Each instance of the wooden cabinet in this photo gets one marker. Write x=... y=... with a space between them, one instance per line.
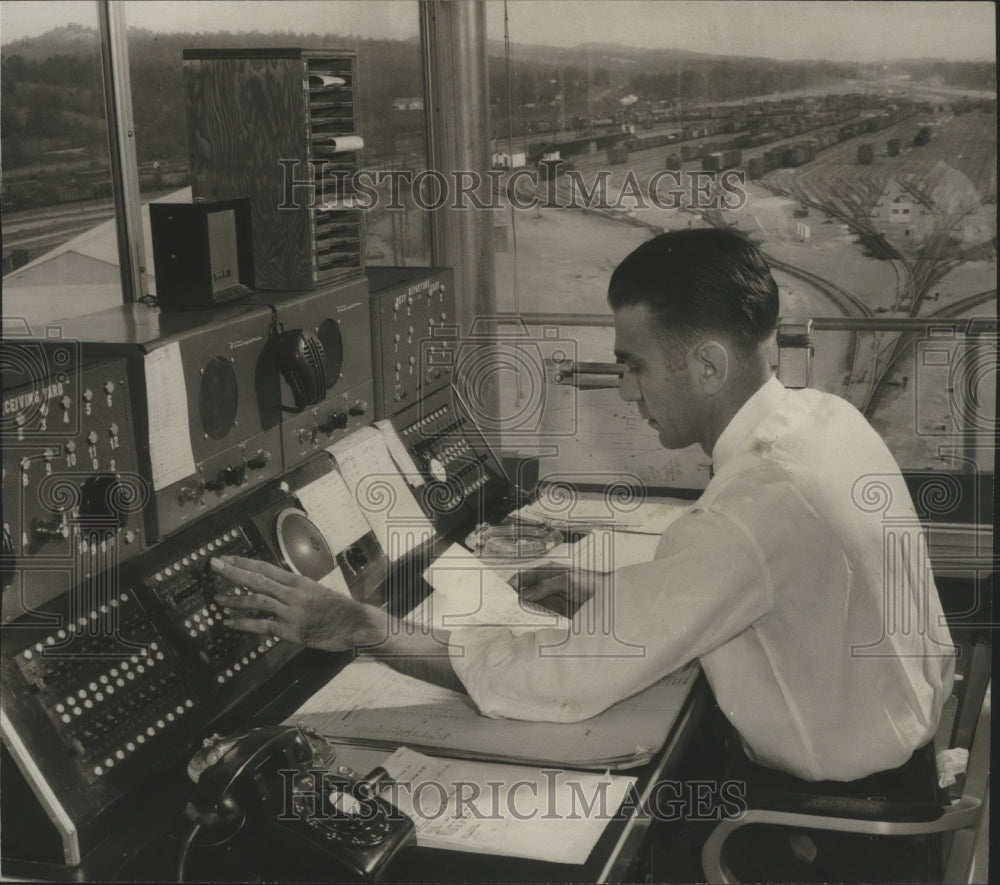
x=280 y=126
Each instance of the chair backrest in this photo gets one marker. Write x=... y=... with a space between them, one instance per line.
x=967 y=851
x=975 y=685
x=977 y=677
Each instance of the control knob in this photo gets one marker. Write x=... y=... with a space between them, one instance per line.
x=235 y=474
x=260 y=460
x=335 y=421
x=49 y=530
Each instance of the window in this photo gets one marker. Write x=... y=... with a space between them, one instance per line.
x=57 y=203
x=59 y=238
x=389 y=95
x=641 y=136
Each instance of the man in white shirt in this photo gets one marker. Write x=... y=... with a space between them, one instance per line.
x=799 y=579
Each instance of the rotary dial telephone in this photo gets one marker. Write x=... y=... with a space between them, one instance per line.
x=285 y=780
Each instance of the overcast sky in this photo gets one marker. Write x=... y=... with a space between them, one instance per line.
x=832 y=29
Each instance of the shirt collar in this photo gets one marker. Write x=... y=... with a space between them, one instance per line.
x=751 y=413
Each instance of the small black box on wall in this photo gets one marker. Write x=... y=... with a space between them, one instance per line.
x=202 y=253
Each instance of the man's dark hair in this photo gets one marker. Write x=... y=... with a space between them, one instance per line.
x=697 y=281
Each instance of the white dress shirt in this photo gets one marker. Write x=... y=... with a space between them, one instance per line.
x=800 y=580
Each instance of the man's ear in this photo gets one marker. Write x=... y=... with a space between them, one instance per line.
x=711 y=366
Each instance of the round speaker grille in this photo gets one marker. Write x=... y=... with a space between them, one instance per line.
x=218 y=398
x=333 y=350
x=302 y=545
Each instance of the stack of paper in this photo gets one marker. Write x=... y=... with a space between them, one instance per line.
x=596 y=510
x=381 y=491
x=552 y=814
x=370 y=704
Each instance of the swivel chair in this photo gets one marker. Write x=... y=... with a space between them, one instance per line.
x=963 y=819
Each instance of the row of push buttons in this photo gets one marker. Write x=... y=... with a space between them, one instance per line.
x=61 y=637
x=151 y=730
x=108 y=683
x=454 y=450
x=427 y=419
x=196 y=556
x=247 y=659
x=201 y=621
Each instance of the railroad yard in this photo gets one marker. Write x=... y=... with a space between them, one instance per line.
x=903 y=228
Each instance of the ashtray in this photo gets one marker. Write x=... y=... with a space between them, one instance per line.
x=513 y=539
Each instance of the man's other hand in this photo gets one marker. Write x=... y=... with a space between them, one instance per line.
x=271 y=601
x=554 y=587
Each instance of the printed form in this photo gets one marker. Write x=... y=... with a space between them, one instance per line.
x=171 y=456
x=552 y=814
x=381 y=492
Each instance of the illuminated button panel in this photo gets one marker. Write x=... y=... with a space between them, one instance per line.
x=186 y=585
x=108 y=683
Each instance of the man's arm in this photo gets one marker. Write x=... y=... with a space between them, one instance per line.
x=271 y=601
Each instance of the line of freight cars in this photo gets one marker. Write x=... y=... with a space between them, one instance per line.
x=717 y=156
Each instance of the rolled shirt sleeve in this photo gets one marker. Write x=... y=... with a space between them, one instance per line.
x=654 y=618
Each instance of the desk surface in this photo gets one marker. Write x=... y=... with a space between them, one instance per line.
x=147 y=849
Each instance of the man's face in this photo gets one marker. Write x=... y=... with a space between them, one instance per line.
x=660 y=383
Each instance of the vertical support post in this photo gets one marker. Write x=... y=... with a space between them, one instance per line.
x=121 y=128
x=453 y=40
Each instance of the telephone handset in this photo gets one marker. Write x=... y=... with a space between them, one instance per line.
x=302 y=362
x=283 y=778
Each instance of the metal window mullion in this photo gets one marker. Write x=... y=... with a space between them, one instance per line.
x=121 y=146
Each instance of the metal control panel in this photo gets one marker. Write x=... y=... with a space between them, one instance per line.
x=72 y=490
x=465 y=483
x=336 y=318
x=414 y=334
x=121 y=675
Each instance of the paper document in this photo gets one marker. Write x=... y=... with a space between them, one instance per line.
x=381 y=492
x=651 y=516
x=468 y=592
x=604 y=551
x=318 y=80
x=516 y=811
x=371 y=704
x=170 y=453
x=335 y=581
x=400 y=454
x=332 y=509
